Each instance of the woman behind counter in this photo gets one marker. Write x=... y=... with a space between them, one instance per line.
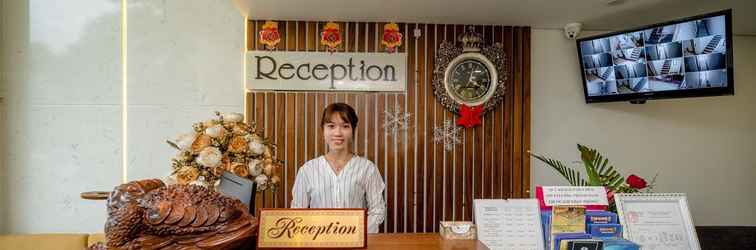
x=340 y=179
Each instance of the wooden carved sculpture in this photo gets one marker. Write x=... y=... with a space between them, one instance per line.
x=146 y=214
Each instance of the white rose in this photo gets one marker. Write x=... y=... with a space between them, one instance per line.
x=215 y=131
x=268 y=169
x=184 y=142
x=256 y=146
x=261 y=180
x=198 y=182
x=275 y=179
x=209 y=157
x=232 y=117
x=254 y=167
x=170 y=180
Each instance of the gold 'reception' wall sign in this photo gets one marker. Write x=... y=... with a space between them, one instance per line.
x=312 y=228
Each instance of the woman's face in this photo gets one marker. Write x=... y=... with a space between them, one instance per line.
x=337 y=133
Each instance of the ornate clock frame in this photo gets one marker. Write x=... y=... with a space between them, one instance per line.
x=449 y=54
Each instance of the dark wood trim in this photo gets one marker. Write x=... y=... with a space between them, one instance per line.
x=525 y=186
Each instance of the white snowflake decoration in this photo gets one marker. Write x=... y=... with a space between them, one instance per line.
x=395 y=121
x=448 y=134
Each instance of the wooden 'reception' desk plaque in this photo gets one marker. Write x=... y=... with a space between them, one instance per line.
x=312 y=228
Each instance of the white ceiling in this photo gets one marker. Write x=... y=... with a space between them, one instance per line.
x=540 y=14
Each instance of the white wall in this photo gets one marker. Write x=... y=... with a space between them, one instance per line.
x=184 y=63
x=3 y=83
x=64 y=98
x=704 y=147
x=62 y=108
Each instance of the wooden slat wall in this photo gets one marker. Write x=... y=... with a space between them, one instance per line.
x=424 y=183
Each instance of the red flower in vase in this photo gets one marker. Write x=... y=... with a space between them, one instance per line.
x=636 y=182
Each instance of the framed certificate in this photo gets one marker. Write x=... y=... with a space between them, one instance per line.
x=657 y=221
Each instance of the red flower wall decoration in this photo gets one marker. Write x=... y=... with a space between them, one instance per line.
x=392 y=38
x=269 y=35
x=331 y=36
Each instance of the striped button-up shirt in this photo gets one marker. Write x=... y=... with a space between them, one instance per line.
x=359 y=185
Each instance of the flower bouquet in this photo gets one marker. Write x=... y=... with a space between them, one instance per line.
x=224 y=144
x=599 y=174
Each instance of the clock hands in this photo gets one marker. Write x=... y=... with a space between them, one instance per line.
x=476 y=83
x=469 y=79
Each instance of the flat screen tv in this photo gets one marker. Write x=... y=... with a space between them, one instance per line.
x=681 y=58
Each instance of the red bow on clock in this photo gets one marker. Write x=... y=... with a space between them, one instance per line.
x=469 y=116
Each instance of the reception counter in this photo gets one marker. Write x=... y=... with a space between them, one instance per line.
x=419 y=241
x=375 y=241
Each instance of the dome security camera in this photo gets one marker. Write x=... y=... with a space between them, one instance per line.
x=572 y=30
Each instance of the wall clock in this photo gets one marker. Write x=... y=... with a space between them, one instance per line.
x=467 y=77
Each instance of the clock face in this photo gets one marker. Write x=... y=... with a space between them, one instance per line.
x=469 y=80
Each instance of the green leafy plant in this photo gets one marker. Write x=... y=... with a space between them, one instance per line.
x=599 y=173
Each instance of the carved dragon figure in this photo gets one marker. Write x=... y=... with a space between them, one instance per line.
x=146 y=214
